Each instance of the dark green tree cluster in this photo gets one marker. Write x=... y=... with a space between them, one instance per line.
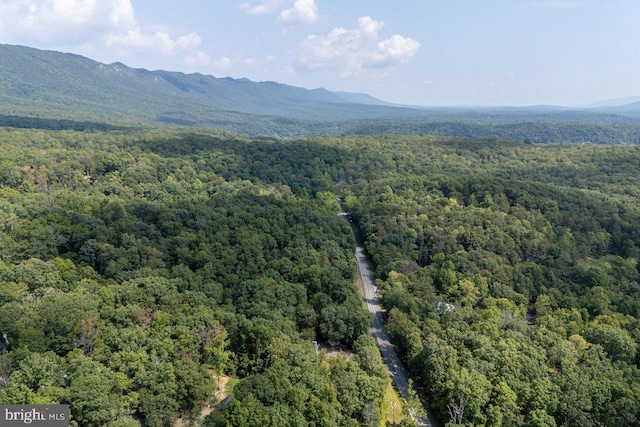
x=534 y=127
x=508 y=272
x=133 y=276
x=136 y=267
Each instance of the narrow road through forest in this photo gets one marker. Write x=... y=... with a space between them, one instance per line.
x=394 y=365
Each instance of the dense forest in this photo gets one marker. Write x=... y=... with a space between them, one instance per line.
x=533 y=127
x=140 y=267
x=509 y=274
x=131 y=281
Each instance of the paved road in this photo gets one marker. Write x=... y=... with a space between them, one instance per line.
x=395 y=366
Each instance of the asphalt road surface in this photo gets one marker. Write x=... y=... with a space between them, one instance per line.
x=394 y=365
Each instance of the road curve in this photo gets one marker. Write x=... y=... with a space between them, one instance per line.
x=394 y=365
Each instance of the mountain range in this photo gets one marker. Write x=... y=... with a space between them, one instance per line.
x=69 y=83
x=46 y=84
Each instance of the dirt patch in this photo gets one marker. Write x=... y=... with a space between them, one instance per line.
x=219 y=394
x=221 y=391
x=330 y=351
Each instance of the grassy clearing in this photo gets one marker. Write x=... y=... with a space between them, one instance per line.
x=391 y=407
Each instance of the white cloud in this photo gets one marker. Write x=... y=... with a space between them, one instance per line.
x=290 y=12
x=47 y=19
x=396 y=49
x=122 y=14
x=92 y=25
x=302 y=12
x=261 y=8
x=74 y=11
x=223 y=63
x=236 y=61
x=198 y=60
x=161 y=41
x=354 y=51
x=287 y=70
x=369 y=26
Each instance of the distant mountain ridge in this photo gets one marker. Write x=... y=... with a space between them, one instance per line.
x=627 y=101
x=51 y=80
x=37 y=86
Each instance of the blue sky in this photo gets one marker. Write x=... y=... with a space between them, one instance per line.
x=419 y=52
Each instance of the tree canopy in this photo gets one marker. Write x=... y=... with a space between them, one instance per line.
x=137 y=267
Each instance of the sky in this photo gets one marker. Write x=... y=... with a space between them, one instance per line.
x=413 y=52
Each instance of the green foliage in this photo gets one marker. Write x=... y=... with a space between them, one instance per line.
x=36 y=274
x=137 y=267
x=504 y=271
x=133 y=276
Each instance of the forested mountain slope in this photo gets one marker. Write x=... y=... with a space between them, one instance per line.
x=46 y=85
x=50 y=81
